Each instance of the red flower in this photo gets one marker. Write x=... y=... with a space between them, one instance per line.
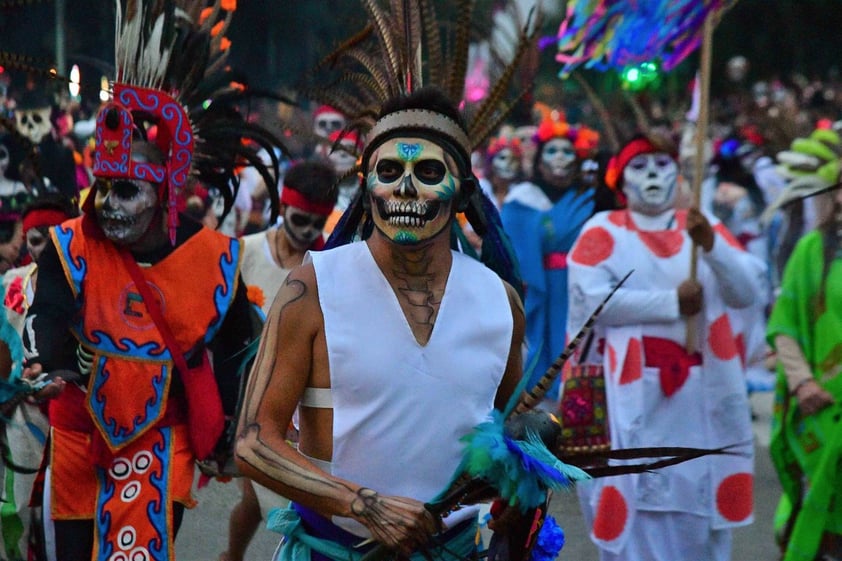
x=14 y=296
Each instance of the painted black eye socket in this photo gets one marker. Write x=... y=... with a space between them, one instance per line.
x=430 y=172
x=389 y=171
x=125 y=189
x=304 y=220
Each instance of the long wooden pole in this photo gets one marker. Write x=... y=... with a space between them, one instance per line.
x=699 y=161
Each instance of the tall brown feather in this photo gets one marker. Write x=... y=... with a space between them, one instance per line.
x=501 y=86
x=432 y=36
x=384 y=30
x=462 y=42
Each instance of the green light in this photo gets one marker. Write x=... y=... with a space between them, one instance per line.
x=640 y=76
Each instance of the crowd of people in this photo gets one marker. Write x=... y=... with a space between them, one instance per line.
x=373 y=295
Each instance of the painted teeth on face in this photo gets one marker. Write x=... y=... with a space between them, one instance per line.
x=411 y=187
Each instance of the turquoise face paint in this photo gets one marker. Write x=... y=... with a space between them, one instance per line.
x=404 y=237
x=449 y=189
x=409 y=152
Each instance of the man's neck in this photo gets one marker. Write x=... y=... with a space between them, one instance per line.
x=418 y=275
x=430 y=260
x=150 y=242
x=289 y=254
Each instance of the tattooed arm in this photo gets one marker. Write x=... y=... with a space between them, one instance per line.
x=292 y=356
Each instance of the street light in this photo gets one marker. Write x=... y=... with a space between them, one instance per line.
x=74 y=86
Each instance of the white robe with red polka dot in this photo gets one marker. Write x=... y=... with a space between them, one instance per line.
x=706 y=406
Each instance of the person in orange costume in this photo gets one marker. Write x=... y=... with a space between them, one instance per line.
x=143 y=311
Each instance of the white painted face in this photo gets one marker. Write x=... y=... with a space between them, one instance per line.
x=328 y=122
x=649 y=182
x=36 y=241
x=125 y=208
x=558 y=159
x=34 y=124
x=505 y=164
x=412 y=186
x=343 y=157
x=302 y=228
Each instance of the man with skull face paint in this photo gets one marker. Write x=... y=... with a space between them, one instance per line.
x=154 y=361
x=307 y=199
x=394 y=346
x=125 y=216
x=658 y=392
x=543 y=217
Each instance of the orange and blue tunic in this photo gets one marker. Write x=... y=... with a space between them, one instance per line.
x=124 y=441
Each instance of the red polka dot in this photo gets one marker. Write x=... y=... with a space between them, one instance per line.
x=663 y=244
x=734 y=496
x=594 y=246
x=612 y=359
x=632 y=366
x=727 y=236
x=722 y=340
x=618 y=218
x=611 y=514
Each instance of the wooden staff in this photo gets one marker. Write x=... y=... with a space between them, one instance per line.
x=699 y=160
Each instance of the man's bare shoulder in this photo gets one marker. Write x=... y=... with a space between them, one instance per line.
x=298 y=295
x=514 y=297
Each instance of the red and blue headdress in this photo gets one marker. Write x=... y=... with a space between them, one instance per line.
x=174 y=91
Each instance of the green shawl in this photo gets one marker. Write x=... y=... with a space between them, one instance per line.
x=808 y=447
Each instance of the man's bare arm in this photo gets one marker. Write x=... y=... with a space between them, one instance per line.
x=514 y=366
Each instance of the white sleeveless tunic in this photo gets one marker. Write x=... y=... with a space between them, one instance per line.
x=400 y=408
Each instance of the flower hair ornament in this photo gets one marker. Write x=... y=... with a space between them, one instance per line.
x=505 y=139
x=554 y=125
x=639 y=144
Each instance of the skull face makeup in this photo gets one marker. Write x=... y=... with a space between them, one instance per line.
x=412 y=187
x=36 y=241
x=34 y=124
x=558 y=159
x=303 y=228
x=343 y=158
x=125 y=209
x=649 y=182
x=327 y=121
x=505 y=164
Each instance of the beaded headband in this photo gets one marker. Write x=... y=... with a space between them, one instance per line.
x=421 y=119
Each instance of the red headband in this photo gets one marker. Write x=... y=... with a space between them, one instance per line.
x=618 y=163
x=42 y=217
x=295 y=199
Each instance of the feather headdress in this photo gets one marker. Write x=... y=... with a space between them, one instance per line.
x=405 y=48
x=173 y=88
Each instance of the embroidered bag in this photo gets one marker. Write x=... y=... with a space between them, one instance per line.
x=583 y=409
